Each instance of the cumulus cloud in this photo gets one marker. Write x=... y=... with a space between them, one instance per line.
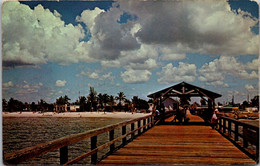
x=253 y=65
x=97 y=75
x=249 y=87
x=207 y=27
x=60 y=83
x=8 y=85
x=184 y=72
x=135 y=76
x=213 y=73
x=168 y=28
x=36 y=36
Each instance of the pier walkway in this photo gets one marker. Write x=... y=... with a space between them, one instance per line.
x=192 y=143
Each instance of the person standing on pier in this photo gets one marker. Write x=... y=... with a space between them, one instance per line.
x=214 y=120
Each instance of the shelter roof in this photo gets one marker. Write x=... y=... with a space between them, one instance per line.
x=183 y=89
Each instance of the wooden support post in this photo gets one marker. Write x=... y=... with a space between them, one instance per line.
x=236 y=132
x=111 y=137
x=144 y=123
x=139 y=125
x=257 y=146
x=132 y=128
x=224 y=126
x=63 y=155
x=123 y=133
x=229 y=128
x=93 y=146
x=148 y=121
x=245 y=142
x=220 y=124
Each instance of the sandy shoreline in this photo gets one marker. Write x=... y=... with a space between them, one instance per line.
x=74 y=114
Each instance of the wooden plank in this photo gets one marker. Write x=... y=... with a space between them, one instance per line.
x=179 y=144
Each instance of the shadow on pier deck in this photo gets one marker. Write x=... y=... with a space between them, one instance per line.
x=192 y=143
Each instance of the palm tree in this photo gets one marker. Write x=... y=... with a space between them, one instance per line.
x=82 y=103
x=62 y=100
x=42 y=104
x=111 y=101
x=105 y=99
x=121 y=97
x=135 y=101
x=100 y=99
x=92 y=97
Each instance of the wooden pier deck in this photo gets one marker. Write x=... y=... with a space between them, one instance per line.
x=179 y=144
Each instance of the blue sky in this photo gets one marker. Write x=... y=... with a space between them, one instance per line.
x=51 y=49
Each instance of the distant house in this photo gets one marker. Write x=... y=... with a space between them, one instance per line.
x=61 y=108
x=74 y=108
x=66 y=108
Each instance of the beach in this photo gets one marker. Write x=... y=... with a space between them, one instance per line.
x=74 y=114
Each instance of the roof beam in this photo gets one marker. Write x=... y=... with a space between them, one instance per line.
x=189 y=92
x=204 y=94
x=177 y=91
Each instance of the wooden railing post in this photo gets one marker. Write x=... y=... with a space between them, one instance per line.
x=123 y=133
x=245 y=142
x=111 y=137
x=148 y=121
x=63 y=155
x=224 y=126
x=132 y=128
x=220 y=124
x=144 y=123
x=229 y=128
x=94 y=146
x=257 y=146
x=236 y=132
x=139 y=125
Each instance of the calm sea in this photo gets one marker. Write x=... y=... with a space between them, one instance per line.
x=19 y=133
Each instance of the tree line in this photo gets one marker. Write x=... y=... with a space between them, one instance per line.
x=91 y=102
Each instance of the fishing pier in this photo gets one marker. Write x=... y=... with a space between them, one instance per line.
x=158 y=139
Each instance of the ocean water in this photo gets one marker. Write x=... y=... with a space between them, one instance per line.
x=19 y=133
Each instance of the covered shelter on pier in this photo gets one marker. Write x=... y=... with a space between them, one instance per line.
x=184 y=91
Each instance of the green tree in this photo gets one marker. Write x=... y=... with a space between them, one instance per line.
x=82 y=103
x=62 y=100
x=135 y=101
x=120 y=97
x=255 y=101
x=100 y=100
x=105 y=99
x=92 y=97
x=33 y=106
x=15 y=105
x=111 y=101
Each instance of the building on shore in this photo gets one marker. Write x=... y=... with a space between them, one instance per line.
x=66 y=108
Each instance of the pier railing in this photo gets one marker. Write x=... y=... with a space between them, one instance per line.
x=242 y=135
x=143 y=124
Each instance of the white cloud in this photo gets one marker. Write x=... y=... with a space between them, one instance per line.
x=169 y=53
x=249 y=87
x=36 y=36
x=253 y=65
x=207 y=27
x=184 y=72
x=88 y=17
x=60 y=83
x=136 y=76
x=8 y=85
x=213 y=73
x=93 y=75
x=168 y=28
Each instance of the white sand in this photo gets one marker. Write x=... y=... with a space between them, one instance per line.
x=75 y=114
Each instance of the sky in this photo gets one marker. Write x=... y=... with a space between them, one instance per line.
x=56 y=48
